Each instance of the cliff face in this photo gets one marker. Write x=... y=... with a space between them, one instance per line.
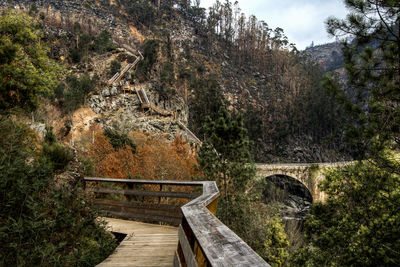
x=123 y=111
x=329 y=56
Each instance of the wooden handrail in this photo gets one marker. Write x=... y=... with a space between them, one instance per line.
x=197 y=140
x=203 y=239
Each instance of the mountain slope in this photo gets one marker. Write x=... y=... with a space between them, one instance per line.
x=194 y=64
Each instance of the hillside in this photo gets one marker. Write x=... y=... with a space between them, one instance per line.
x=328 y=56
x=192 y=65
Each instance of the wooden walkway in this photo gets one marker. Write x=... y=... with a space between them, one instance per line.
x=145 y=244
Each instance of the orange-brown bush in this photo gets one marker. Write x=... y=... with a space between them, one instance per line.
x=155 y=158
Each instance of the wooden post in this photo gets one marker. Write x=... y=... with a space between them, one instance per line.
x=159 y=198
x=212 y=207
x=130 y=187
x=201 y=260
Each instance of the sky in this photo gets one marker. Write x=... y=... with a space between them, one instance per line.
x=301 y=20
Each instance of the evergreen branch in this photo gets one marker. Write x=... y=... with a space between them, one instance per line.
x=384 y=22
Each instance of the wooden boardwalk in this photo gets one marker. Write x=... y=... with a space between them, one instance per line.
x=145 y=244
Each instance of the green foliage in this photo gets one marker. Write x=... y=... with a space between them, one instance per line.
x=58 y=155
x=276 y=243
x=150 y=49
x=167 y=74
x=167 y=78
x=205 y=102
x=77 y=27
x=68 y=127
x=76 y=55
x=87 y=44
x=42 y=16
x=50 y=137
x=310 y=112
x=26 y=72
x=42 y=224
x=118 y=140
x=360 y=223
x=33 y=9
x=372 y=65
x=115 y=67
x=103 y=42
x=225 y=157
x=77 y=90
x=88 y=166
x=142 y=11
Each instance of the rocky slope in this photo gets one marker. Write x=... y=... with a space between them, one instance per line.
x=328 y=56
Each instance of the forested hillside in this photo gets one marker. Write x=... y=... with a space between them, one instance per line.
x=207 y=58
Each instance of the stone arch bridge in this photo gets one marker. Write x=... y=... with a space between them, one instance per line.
x=309 y=174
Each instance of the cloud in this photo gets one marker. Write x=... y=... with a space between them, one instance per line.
x=302 y=20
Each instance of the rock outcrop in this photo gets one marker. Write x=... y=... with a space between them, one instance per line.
x=123 y=111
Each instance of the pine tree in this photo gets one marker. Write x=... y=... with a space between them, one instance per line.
x=372 y=61
x=226 y=158
x=360 y=221
x=26 y=71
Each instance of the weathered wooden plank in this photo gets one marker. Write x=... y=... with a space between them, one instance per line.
x=128 y=192
x=144 y=206
x=221 y=246
x=157 y=182
x=146 y=212
x=190 y=258
x=177 y=262
x=143 y=217
x=145 y=245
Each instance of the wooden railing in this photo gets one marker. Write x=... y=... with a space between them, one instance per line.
x=203 y=239
x=190 y=133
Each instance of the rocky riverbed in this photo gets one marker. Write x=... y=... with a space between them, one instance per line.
x=290 y=196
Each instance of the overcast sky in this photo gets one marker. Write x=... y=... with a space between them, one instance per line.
x=302 y=20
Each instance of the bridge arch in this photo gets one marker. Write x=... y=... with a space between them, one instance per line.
x=310 y=175
x=288 y=184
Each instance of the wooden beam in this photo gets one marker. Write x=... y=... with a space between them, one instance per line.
x=128 y=192
x=190 y=258
x=127 y=181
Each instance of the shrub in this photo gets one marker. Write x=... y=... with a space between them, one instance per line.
x=40 y=224
x=68 y=127
x=143 y=11
x=77 y=90
x=276 y=243
x=103 y=42
x=50 y=137
x=88 y=166
x=58 y=155
x=154 y=156
x=118 y=140
x=75 y=55
x=59 y=91
x=26 y=71
x=150 y=57
x=115 y=67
